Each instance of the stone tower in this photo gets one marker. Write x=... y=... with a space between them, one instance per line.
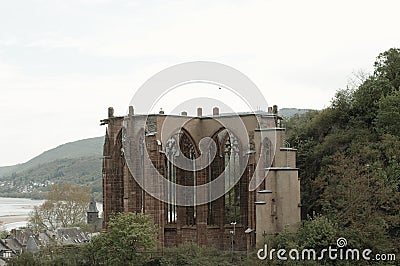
x=93 y=214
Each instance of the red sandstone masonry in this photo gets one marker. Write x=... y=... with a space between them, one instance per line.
x=121 y=192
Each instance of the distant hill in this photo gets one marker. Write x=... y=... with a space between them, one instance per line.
x=77 y=149
x=76 y=162
x=290 y=112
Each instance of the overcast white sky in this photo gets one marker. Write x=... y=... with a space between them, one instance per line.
x=62 y=63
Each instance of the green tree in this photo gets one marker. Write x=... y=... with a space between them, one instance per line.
x=354 y=191
x=384 y=82
x=24 y=259
x=387 y=67
x=128 y=237
x=388 y=115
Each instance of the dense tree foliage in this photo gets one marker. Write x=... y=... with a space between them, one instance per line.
x=349 y=158
x=127 y=239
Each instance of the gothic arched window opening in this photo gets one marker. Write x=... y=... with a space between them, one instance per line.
x=267 y=156
x=171 y=151
x=232 y=176
x=188 y=177
x=180 y=176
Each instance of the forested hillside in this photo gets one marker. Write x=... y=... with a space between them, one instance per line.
x=349 y=159
x=77 y=149
x=77 y=162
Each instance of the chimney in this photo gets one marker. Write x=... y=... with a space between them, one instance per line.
x=110 y=112
x=275 y=109
x=184 y=113
x=199 y=111
x=131 y=110
x=215 y=111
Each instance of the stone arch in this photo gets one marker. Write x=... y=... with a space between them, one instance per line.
x=215 y=168
x=267 y=157
x=232 y=164
x=267 y=152
x=180 y=144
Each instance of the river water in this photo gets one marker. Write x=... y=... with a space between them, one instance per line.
x=16 y=207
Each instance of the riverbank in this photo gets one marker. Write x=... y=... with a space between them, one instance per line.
x=14 y=212
x=13 y=219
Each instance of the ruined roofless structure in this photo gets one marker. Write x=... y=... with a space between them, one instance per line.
x=240 y=216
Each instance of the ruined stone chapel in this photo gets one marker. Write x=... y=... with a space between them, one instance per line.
x=241 y=217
